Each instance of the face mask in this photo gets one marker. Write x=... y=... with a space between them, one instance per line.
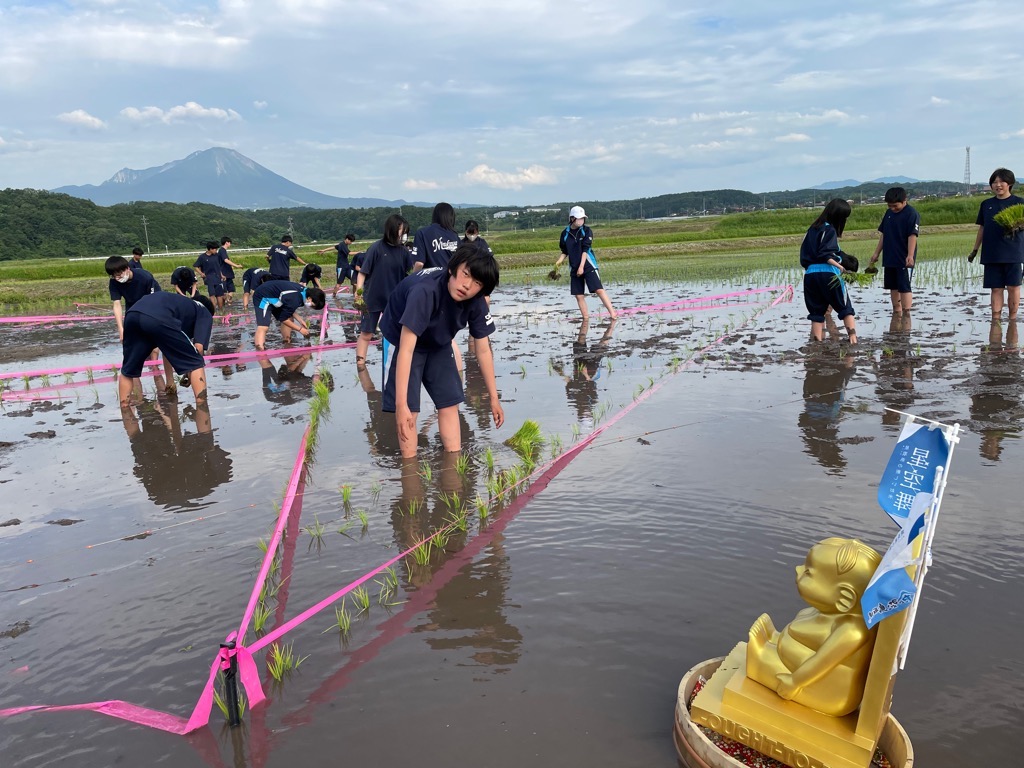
x=471 y=238
x=405 y=238
x=124 y=278
x=309 y=305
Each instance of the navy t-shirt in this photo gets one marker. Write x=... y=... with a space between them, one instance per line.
x=225 y=268
x=434 y=245
x=422 y=303
x=342 y=250
x=384 y=266
x=480 y=243
x=209 y=263
x=820 y=244
x=996 y=248
x=284 y=294
x=173 y=308
x=574 y=243
x=896 y=228
x=142 y=284
x=279 y=257
x=133 y=264
x=309 y=272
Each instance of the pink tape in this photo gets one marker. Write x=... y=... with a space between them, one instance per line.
x=40 y=319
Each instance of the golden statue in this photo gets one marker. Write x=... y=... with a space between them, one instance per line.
x=821 y=658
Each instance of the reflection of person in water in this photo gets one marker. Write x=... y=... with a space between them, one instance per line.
x=286 y=384
x=997 y=406
x=179 y=470
x=825 y=383
x=581 y=387
x=381 y=432
x=894 y=370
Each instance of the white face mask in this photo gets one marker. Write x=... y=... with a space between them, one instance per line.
x=405 y=239
x=124 y=278
x=309 y=305
x=471 y=238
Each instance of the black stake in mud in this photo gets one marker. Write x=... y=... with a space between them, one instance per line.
x=231 y=685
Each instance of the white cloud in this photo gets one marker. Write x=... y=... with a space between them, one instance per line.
x=188 y=111
x=939 y=102
x=1012 y=135
x=703 y=117
x=420 y=184
x=82 y=119
x=535 y=175
x=260 y=104
x=744 y=130
x=816 y=118
x=790 y=138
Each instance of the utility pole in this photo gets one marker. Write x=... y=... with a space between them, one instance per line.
x=146 y=230
x=290 y=230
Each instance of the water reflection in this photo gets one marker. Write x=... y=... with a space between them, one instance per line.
x=178 y=469
x=894 y=370
x=825 y=383
x=286 y=384
x=381 y=430
x=581 y=387
x=996 y=405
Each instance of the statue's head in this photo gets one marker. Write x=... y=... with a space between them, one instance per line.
x=836 y=573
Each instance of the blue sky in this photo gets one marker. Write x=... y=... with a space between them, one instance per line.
x=513 y=101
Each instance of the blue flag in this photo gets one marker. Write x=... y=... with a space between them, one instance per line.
x=920 y=450
x=891 y=589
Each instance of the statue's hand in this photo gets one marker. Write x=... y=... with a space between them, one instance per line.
x=787 y=689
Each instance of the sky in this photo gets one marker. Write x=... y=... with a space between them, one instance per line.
x=515 y=102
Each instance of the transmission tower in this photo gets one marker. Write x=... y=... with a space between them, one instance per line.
x=967 y=173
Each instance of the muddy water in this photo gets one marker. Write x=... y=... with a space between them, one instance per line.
x=556 y=632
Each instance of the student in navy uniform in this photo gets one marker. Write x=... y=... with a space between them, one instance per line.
x=135 y=262
x=279 y=256
x=208 y=265
x=897 y=242
x=821 y=258
x=226 y=270
x=435 y=243
x=344 y=269
x=128 y=284
x=1002 y=256
x=252 y=279
x=423 y=315
x=473 y=236
x=576 y=244
x=384 y=265
x=184 y=281
x=279 y=299
x=311 y=273
x=180 y=327
x=357 y=267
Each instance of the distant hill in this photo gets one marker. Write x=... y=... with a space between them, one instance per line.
x=845 y=183
x=218 y=176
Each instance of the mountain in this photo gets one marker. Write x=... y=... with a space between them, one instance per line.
x=844 y=183
x=217 y=176
x=838 y=184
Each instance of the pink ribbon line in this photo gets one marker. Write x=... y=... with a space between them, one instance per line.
x=40 y=319
x=248 y=673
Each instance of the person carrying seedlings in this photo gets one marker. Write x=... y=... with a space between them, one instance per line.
x=280 y=299
x=180 y=327
x=279 y=256
x=135 y=262
x=897 y=243
x=422 y=317
x=128 y=284
x=821 y=258
x=384 y=265
x=252 y=279
x=435 y=243
x=1002 y=248
x=311 y=273
x=184 y=281
x=344 y=269
x=576 y=244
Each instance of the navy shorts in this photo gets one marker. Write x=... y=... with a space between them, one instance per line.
x=590 y=278
x=432 y=369
x=344 y=273
x=820 y=293
x=897 y=278
x=229 y=286
x=143 y=334
x=215 y=289
x=1003 y=275
x=263 y=315
x=368 y=322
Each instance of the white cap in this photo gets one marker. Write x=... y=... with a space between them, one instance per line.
x=577 y=212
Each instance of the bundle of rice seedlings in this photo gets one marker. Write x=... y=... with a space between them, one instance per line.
x=554 y=274
x=1011 y=219
x=527 y=439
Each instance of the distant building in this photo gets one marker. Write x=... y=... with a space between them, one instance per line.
x=543 y=210
x=504 y=214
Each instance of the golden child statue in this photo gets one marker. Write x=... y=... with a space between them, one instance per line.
x=821 y=658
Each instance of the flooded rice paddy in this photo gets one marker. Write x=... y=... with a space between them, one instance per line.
x=554 y=632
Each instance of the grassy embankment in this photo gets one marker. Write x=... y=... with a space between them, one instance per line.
x=712 y=248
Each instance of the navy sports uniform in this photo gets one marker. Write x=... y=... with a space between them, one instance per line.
x=384 y=267
x=423 y=304
x=896 y=229
x=209 y=264
x=480 y=243
x=344 y=269
x=1002 y=257
x=183 y=278
x=434 y=245
x=577 y=244
x=226 y=270
x=142 y=284
x=170 y=322
x=134 y=264
x=279 y=257
x=821 y=289
x=277 y=298
x=253 y=277
x=311 y=272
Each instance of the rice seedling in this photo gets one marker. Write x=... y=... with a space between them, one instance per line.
x=219 y=698
x=441 y=537
x=494 y=487
x=489 y=460
x=388 y=586
x=343 y=530
x=342 y=620
x=450 y=500
x=462 y=464
x=316 y=531
x=68 y=378
x=555 y=441
x=346 y=496
x=361 y=599
x=283 y=660
x=483 y=510
x=608 y=364
x=527 y=438
x=576 y=431
x=262 y=544
x=458 y=519
x=90 y=376
x=363 y=519
x=426 y=472
x=1011 y=219
x=422 y=551
x=414 y=506
x=260 y=616
x=27 y=381
x=375 y=489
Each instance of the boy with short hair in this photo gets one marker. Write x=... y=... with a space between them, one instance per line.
x=135 y=262
x=128 y=284
x=279 y=299
x=279 y=257
x=423 y=314
x=311 y=273
x=180 y=327
x=226 y=270
x=897 y=242
x=184 y=281
x=576 y=244
x=210 y=266
x=252 y=279
x=343 y=268
x=1002 y=254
